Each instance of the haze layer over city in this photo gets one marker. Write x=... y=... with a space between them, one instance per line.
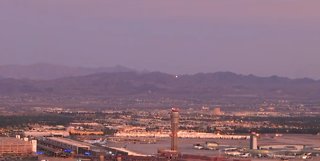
x=159 y=80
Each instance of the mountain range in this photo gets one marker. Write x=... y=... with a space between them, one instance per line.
x=121 y=81
x=42 y=71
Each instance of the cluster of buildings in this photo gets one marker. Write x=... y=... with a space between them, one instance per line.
x=56 y=141
x=65 y=147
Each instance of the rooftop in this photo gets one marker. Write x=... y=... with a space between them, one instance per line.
x=11 y=140
x=69 y=142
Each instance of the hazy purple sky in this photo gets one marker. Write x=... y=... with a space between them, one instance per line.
x=263 y=37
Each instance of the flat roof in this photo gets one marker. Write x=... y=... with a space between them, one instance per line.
x=12 y=140
x=69 y=142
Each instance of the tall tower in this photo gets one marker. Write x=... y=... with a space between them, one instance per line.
x=34 y=145
x=254 y=141
x=174 y=129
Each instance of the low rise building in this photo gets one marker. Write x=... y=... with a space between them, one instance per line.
x=65 y=144
x=16 y=146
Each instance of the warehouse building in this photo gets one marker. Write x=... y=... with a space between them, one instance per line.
x=64 y=144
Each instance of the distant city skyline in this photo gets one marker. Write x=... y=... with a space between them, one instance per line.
x=179 y=37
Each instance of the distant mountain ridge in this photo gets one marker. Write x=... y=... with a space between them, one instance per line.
x=159 y=85
x=44 y=71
